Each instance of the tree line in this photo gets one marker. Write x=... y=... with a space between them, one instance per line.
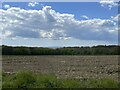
x=94 y=50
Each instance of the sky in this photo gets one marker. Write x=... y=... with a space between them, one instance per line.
x=58 y=24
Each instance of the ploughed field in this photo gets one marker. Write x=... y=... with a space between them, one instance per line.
x=74 y=67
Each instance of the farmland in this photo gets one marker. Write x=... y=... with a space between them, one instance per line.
x=73 y=67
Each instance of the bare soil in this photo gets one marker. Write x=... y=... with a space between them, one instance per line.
x=74 y=67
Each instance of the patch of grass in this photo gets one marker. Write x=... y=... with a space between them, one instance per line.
x=24 y=79
x=70 y=83
x=47 y=81
x=101 y=83
x=0 y=79
x=28 y=79
x=19 y=80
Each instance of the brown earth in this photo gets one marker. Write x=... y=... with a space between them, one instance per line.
x=80 y=67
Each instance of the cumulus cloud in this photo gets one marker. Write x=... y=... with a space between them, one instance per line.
x=32 y=4
x=116 y=18
x=6 y=6
x=47 y=23
x=108 y=3
x=84 y=16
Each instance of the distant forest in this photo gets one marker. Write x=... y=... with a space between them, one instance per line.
x=94 y=50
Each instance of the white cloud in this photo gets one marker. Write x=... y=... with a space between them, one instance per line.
x=116 y=18
x=84 y=16
x=32 y=4
x=108 y=3
x=47 y=23
x=6 y=6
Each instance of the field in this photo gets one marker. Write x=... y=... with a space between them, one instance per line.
x=72 y=67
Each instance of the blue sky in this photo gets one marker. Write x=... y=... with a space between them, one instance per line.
x=91 y=9
x=68 y=24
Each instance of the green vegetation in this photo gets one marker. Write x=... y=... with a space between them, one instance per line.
x=26 y=79
x=0 y=79
x=95 y=50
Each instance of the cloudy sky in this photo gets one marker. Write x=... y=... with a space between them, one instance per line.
x=54 y=24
